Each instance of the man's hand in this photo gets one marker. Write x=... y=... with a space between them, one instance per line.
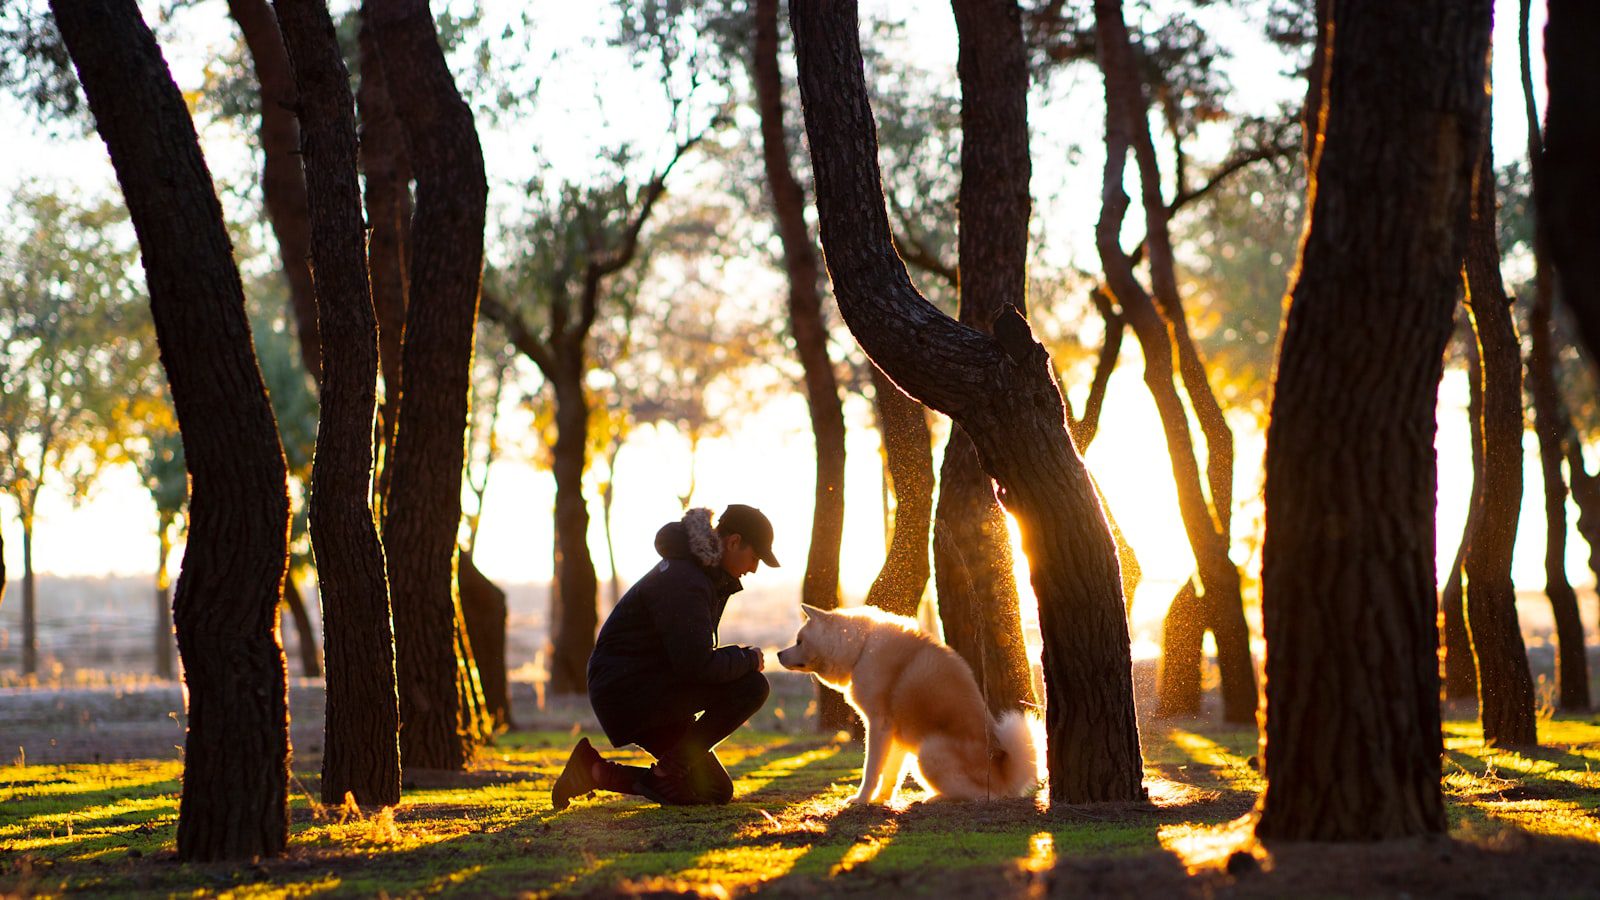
x=761 y=658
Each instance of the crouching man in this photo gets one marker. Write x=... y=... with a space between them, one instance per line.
x=656 y=666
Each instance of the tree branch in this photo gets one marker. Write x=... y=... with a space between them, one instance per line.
x=526 y=342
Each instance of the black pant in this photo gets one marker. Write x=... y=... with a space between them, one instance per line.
x=684 y=744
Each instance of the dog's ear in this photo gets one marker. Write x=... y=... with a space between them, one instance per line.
x=811 y=612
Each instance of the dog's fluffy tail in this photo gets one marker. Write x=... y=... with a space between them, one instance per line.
x=1021 y=766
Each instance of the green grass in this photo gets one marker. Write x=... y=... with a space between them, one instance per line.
x=109 y=829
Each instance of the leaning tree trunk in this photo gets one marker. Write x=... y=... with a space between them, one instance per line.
x=820 y=587
x=1460 y=670
x=1505 y=687
x=1567 y=180
x=1348 y=596
x=388 y=207
x=361 y=745
x=423 y=505
x=1222 y=606
x=908 y=455
x=978 y=602
x=1001 y=390
x=235 y=779
x=574 y=616
x=283 y=184
x=1553 y=426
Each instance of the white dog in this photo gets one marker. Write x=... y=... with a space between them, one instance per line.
x=921 y=706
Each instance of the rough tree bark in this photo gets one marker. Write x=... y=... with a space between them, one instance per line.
x=1182 y=644
x=234 y=801
x=423 y=504
x=283 y=185
x=972 y=560
x=1158 y=330
x=361 y=746
x=820 y=587
x=908 y=459
x=1001 y=390
x=1505 y=687
x=388 y=207
x=1348 y=599
x=1460 y=670
x=1553 y=425
x=1569 y=181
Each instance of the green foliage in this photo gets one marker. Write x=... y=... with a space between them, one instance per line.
x=34 y=65
x=73 y=332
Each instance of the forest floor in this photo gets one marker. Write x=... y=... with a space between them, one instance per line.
x=1522 y=823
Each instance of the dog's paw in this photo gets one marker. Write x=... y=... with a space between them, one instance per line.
x=860 y=800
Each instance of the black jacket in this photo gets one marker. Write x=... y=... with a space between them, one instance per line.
x=662 y=636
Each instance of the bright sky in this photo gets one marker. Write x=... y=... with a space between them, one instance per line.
x=768 y=462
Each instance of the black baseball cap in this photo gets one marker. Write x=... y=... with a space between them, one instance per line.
x=753 y=526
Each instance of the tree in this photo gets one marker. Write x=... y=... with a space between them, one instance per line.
x=440 y=726
x=1567 y=180
x=1505 y=687
x=283 y=184
x=1348 y=596
x=234 y=800
x=1460 y=669
x=1553 y=425
x=1160 y=325
x=578 y=244
x=1000 y=389
x=361 y=750
x=820 y=587
x=68 y=335
x=908 y=470
x=158 y=455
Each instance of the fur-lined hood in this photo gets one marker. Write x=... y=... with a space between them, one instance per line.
x=691 y=538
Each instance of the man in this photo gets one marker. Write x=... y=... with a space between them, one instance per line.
x=656 y=666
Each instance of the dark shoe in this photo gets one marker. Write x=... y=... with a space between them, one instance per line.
x=666 y=784
x=577 y=779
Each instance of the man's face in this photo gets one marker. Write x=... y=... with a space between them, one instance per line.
x=738 y=558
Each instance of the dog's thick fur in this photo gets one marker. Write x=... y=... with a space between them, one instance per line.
x=921 y=706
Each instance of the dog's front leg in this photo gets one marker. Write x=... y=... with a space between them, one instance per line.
x=879 y=741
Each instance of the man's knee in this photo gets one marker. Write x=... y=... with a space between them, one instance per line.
x=752 y=691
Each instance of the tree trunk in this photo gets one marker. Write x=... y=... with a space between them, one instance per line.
x=283 y=185
x=423 y=505
x=1460 y=669
x=388 y=206
x=974 y=570
x=1567 y=178
x=234 y=801
x=573 y=629
x=483 y=606
x=908 y=455
x=820 y=587
x=361 y=750
x=978 y=601
x=999 y=388
x=1222 y=606
x=305 y=635
x=1348 y=587
x=163 y=635
x=1182 y=642
x=1505 y=687
x=1553 y=426
x=30 y=601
